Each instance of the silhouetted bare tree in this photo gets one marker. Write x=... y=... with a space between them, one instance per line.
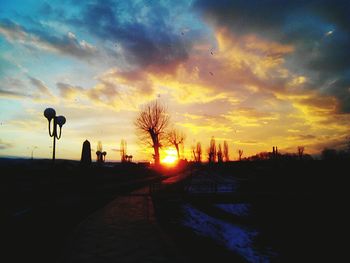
x=199 y=152
x=219 y=154
x=301 y=151
x=182 y=150
x=212 y=151
x=226 y=153
x=240 y=153
x=275 y=153
x=151 y=124
x=176 y=138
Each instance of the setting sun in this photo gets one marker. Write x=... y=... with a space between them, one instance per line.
x=170 y=157
x=254 y=85
x=183 y=124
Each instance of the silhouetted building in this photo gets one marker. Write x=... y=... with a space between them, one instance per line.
x=86 y=153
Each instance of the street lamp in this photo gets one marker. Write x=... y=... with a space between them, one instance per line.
x=50 y=115
x=33 y=148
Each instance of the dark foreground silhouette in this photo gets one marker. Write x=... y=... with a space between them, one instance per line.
x=277 y=212
x=42 y=205
x=267 y=211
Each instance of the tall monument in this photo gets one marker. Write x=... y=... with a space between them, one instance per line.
x=86 y=154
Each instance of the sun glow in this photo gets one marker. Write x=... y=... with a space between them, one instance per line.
x=170 y=157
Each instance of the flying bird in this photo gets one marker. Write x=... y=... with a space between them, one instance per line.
x=211 y=73
x=330 y=32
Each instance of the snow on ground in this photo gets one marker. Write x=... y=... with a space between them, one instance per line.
x=211 y=184
x=235 y=238
x=235 y=209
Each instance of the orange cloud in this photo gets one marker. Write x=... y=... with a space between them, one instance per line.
x=241 y=92
x=248 y=73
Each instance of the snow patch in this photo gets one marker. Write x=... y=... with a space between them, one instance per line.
x=235 y=209
x=235 y=238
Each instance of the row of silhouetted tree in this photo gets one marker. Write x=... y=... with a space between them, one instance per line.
x=153 y=123
x=152 y=126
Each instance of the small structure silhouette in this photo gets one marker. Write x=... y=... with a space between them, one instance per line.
x=128 y=158
x=100 y=155
x=123 y=149
x=86 y=154
x=124 y=157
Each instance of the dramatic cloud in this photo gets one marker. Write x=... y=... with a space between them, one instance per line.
x=253 y=73
x=19 y=89
x=141 y=31
x=318 y=30
x=122 y=90
x=68 y=91
x=13 y=88
x=115 y=89
x=44 y=40
x=40 y=85
x=12 y=94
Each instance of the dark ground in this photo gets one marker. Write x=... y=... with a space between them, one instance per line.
x=41 y=205
x=299 y=207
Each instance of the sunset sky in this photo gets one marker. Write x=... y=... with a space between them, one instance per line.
x=254 y=73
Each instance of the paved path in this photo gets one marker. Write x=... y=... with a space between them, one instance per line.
x=123 y=231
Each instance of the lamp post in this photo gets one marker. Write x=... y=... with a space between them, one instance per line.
x=33 y=148
x=50 y=115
